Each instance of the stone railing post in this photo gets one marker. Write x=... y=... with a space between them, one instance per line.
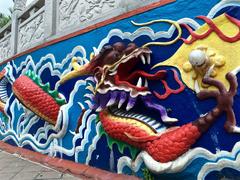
x=50 y=18
x=18 y=7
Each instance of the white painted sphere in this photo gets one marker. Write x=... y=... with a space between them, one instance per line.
x=197 y=57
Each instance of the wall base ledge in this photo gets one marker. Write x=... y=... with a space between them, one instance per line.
x=65 y=166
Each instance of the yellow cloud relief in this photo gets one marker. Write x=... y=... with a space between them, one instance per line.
x=224 y=55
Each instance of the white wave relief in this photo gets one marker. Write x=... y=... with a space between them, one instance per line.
x=53 y=142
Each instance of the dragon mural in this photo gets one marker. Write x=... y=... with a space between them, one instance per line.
x=124 y=104
x=119 y=88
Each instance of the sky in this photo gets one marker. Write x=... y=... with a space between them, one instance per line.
x=5 y=4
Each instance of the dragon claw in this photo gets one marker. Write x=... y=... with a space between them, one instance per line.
x=224 y=99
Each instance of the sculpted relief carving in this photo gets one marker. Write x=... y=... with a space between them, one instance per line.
x=73 y=12
x=31 y=32
x=5 y=49
x=134 y=97
x=19 y=4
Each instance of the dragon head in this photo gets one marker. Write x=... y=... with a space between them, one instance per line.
x=113 y=67
x=115 y=74
x=120 y=82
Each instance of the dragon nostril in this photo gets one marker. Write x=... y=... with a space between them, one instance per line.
x=131 y=47
x=106 y=49
x=119 y=46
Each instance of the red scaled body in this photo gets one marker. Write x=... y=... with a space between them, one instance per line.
x=36 y=99
x=162 y=147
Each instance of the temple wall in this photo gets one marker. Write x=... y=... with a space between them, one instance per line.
x=70 y=88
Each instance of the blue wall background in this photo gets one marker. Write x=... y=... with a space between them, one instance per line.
x=23 y=128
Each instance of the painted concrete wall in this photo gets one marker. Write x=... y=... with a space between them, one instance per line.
x=39 y=21
x=129 y=139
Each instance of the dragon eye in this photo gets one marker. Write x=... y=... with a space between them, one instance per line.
x=117 y=55
x=105 y=49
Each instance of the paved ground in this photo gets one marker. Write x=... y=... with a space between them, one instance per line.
x=14 y=168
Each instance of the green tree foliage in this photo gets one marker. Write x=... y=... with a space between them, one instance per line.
x=4 y=19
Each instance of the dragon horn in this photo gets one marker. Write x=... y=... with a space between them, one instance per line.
x=78 y=71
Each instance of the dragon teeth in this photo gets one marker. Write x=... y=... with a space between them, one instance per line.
x=148 y=59
x=140 y=116
x=112 y=99
x=120 y=113
x=120 y=103
x=151 y=123
x=143 y=59
x=117 y=112
x=156 y=126
x=139 y=83
x=111 y=102
x=129 y=106
x=99 y=109
x=146 y=83
x=147 y=120
x=123 y=114
x=131 y=103
x=135 y=115
x=123 y=98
